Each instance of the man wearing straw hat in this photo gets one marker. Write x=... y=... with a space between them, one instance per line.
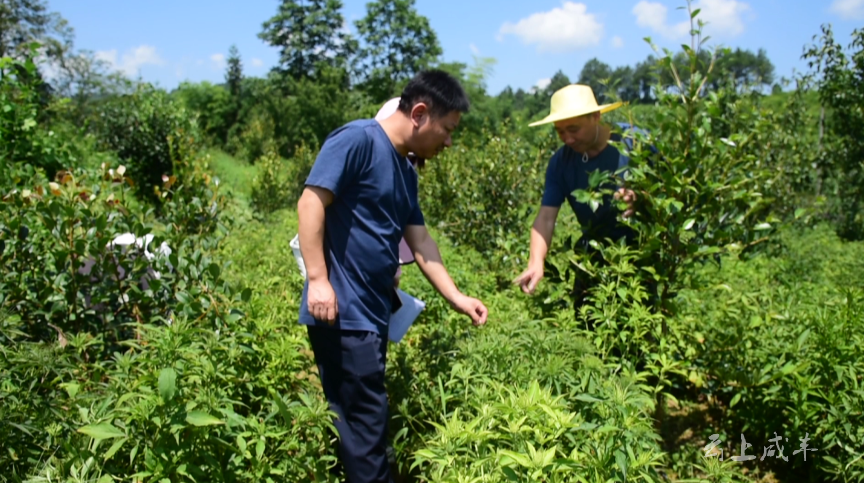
x=576 y=117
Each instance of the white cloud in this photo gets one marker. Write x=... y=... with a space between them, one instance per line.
x=724 y=18
x=257 y=62
x=617 y=42
x=849 y=8
x=474 y=49
x=651 y=15
x=131 y=61
x=109 y=56
x=567 y=28
x=543 y=83
x=218 y=60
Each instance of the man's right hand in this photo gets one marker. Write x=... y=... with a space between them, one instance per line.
x=322 y=301
x=541 y=238
x=529 y=279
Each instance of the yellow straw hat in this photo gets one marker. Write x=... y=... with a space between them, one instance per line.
x=573 y=101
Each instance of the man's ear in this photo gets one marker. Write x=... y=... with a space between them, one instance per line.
x=419 y=113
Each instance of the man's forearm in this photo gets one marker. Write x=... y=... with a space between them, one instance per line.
x=310 y=214
x=428 y=259
x=541 y=237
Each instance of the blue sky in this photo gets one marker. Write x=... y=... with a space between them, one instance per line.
x=166 y=42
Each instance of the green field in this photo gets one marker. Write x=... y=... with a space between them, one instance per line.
x=722 y=346
x=465 y=394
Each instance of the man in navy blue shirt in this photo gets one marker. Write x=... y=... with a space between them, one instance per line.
x=359 y=202
x=576 y=116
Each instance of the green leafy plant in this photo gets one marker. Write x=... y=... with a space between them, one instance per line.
x=840 y=85
x=504 y=173
x=22 y=142
x=697 y=177
x=781 y=363
x=150 y=133
x=279 y=183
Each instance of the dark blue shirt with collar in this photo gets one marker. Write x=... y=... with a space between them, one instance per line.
x=375 y=199
x=566 y=173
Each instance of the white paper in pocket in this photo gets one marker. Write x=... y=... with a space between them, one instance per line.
x=295 y=247
x=401 y=320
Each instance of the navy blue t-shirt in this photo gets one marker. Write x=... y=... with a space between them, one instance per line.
x=566 y=173
x=375 y=199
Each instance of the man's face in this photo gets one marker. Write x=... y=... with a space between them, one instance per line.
x=432 y=134
x=579 y=132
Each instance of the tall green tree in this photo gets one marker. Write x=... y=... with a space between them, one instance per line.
x=309 y=33
x=644 y=78
x=234 y=72
x=25 y=21
x=623 y=83
x=398 y=42
x=557 y=81
x=234 y=82
x=592 y=74
x=839 y=77
x=744 y=68
x=212 y=105
x=84 y=79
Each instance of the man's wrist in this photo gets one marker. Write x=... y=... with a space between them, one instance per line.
x=317 y=276
x=452 y=296
x=535 y=264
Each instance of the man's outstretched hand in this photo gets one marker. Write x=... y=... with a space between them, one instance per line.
x=472 y=308
x=529 y=279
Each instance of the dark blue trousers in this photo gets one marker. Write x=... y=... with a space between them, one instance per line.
x=351 y=367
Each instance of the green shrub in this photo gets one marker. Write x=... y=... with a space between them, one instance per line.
x=283 y=113
x=24 y=144
x=49 y=232
x=520 y=400
x=482 y=195
x=700 y=194
x=255 y=137
x=529 y=434
x=298 y=169
x=270 y=191
x=279 y=182
x=151 y=134
x=212 y=105
x=108 y=376
x=37 y=383
x=840 y=84
x=776 y=345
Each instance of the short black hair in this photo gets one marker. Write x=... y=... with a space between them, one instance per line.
x=440 y=91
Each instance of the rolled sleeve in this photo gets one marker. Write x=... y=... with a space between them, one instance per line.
x=553 y=192
x=416 y=217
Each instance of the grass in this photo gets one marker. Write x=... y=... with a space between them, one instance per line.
x=238 y=175
x=442 y=343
